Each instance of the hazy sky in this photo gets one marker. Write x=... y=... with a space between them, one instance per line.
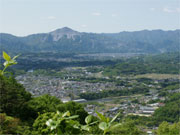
x=23 y=17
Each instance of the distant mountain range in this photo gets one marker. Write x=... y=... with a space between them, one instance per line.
x=68 y=40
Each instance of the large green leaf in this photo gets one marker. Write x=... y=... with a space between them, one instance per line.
x=93 y=122
x=114 y=118
x=88 y=119
x=9 y=63
x=101 y=117
x=52 y=124
x=48 y=123
x=77 y=126
x=85 y=127
x=72 y=117
x=16 y=57
x=6 y=63
x=6 y=56
x=103 y=126
x=66 y=114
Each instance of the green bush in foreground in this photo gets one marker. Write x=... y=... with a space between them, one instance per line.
x=168 y=129
x=13 y=98
x=11 y=125
x=42 y=104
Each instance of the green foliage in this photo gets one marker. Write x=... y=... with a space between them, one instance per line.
x=61 y=122
x=88 y=119
x=169 y=112
x=174 y=97
x=140 y=120
x=39 y=124
x=56 y=123
x=8 y=62
x=43 y=66
x=164 y=63
x=168 y=129
x=127 y=128
x=111 y=93
x=42 y=104
x=13 y=98
x=89 y=122
x=75 y=109
x=64 y=123
x=11 y=125
x=106 y=125
x=153 y=101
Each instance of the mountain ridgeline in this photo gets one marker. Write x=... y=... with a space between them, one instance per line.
x=68 y=40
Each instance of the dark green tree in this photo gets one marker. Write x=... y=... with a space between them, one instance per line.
x=13 y=98
x=75 y=109
x=43 y=104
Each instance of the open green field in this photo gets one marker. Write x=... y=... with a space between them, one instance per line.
x=159 y=76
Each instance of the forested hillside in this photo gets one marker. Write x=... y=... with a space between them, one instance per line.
x=68 y=40
x=164 y=63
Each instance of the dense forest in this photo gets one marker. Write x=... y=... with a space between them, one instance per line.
x=162 y=63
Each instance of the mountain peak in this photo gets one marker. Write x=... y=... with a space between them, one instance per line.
x=65 y=31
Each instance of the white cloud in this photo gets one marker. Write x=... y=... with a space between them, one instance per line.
x=96 y=14
x=168 y=10
x=51 y=17
x=171 y=10
x=114 y=15
x=84 y=25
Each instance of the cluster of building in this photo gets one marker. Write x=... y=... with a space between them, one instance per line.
x=61 y=88
x=126 y=109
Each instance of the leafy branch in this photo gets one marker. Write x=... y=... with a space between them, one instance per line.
x=8 y=62
x=106 y=125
